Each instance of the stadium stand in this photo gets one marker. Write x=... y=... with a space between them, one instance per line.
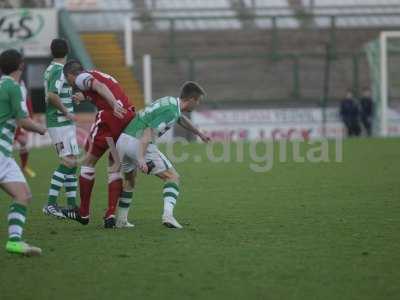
x=109 y=58
x=26 y=3
x=99 y=15
x=247 y=52
x=257 y=78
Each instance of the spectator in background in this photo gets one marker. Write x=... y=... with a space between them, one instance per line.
x=367 y=110
x=349 y=114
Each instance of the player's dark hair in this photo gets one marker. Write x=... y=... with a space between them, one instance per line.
x=191 y=89
x=10 y=61
x=73 y=67
x=59 y=48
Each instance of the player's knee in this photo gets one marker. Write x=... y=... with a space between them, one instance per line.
x=176 y=178
x=70 y=162
x=172 y=176
x=129 y=184
x=114 y=166
x=27 y=199
x=113 y=176
x=129 y=180
x=23 y=197
x=175 y=175
x=90 y=160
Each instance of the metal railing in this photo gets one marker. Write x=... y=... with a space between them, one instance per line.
x=332 y=23
x=295 y=85
x=154 y=5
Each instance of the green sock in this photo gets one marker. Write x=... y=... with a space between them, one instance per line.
x=16 y=221
x=57 y=182
x=71 y=185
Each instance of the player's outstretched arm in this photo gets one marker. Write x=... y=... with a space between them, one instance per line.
x=55 y=100
x=188 y=125
x=105 y=92
x=28 y=124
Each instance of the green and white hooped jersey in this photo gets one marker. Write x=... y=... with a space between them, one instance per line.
x=54 y=82
x=12 y=107
x=161 y=115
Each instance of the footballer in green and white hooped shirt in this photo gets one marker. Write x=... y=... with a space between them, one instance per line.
x=137 y=150
x=62 y=130
x=13 y=113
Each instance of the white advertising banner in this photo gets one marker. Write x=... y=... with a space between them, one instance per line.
x=234 y=125
x=77 y=4
x=291 y=123
x=28 y=29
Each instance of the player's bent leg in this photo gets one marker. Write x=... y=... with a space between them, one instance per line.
x=57 y=182
x=21 y=195
x=18 y=190
x=125 y=200
x=163 y=168
x=64 y=175
x=71 y=181
x=114 y=192
x=86 y=182
x=126 y=149
x=65 y=143
x=170 y=196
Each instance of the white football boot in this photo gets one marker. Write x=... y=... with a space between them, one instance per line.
x=123 y=224
x=170 y=222
x=53 y=210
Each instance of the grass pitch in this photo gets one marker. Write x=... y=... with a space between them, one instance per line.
x=300 y=231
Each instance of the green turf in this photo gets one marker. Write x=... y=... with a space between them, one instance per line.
x=300 y=231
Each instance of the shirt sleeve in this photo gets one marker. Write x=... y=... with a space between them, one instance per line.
x=84 y=81
x=55 y=82
x=18 y=105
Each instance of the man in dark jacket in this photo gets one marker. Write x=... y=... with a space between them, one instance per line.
x=349 y=114
x=367 y=111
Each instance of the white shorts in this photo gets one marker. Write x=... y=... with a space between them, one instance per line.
x=128 y=152
x=64 y=140
x=10 y=171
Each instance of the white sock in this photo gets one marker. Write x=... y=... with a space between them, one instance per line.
x=124 y=204
x=170 y=195
x=168 y=208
